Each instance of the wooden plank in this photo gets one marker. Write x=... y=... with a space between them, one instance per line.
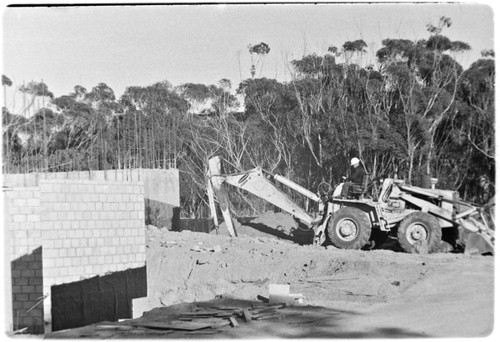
x=246 y=315
x=175 y=325
x=114 y=327
x=221 y=324
x=234 y=322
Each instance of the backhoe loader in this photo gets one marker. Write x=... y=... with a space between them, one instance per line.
x=417 y=216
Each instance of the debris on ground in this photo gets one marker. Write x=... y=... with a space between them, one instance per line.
x=215 y=286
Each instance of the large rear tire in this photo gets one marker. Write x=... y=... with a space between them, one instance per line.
x=417 y=227
x=349 y=228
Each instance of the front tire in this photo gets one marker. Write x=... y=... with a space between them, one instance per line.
x=349 y=228
x=417 y=228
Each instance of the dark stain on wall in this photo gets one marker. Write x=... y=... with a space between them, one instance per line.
x=101 y=298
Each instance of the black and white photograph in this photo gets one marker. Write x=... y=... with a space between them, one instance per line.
x=248 y=170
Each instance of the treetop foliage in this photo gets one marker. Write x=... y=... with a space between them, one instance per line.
x=416 y=113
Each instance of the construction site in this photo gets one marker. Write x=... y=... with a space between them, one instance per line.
x=346 y=200
x=84 y=260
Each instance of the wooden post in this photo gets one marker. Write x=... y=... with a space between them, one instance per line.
x=216 y=179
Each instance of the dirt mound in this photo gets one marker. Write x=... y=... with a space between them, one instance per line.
x=275 y=225
x=347 y=293
x=187 y=266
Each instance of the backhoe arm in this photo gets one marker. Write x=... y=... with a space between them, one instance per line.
x=255 y=182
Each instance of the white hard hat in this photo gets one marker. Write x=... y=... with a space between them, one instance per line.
x=354 y=161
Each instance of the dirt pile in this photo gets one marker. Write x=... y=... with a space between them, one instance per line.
x=278 y=225
x=187 y=267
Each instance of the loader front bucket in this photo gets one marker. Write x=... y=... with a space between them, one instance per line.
x=479 y=239
x=479 y=244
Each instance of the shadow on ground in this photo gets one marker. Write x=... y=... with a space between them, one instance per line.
x=290 y=322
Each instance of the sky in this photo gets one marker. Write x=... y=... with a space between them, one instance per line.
x=140 y=45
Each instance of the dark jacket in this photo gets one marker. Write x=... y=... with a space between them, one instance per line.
x=357 y=175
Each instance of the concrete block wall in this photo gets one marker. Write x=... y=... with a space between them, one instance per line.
x=65 y=230
x=67 y=226
x=90 y=228
x=23 y=242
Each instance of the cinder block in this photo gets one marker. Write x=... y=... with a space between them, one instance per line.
x=34 y=297
x=71 y=252
x=59 y=262
x=34 y=265
x=48 y=263
x=20 y=234
x=35 y=281
x=63 y=252
x=28 y=194
x=49 y=197
x=62 y=215
x=75 y=243
x=35 y=233
x=28 y=288
x=66 y=243
x=20 y=281
x=33 y=218
x=19 y=202
x=27 y=210
x=88 y=269
x=50 y=273
x=50 y=253
x=27 y=273
x=21 y=297
x=61 y=197
x=19 y=218
x=21 y=250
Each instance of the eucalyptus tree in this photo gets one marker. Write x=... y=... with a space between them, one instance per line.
x=425 y=77
x=260 y=51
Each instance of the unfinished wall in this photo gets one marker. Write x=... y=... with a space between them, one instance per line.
x=161 y=189
x=90 y=228
x=66 y=227
x=24 y=246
